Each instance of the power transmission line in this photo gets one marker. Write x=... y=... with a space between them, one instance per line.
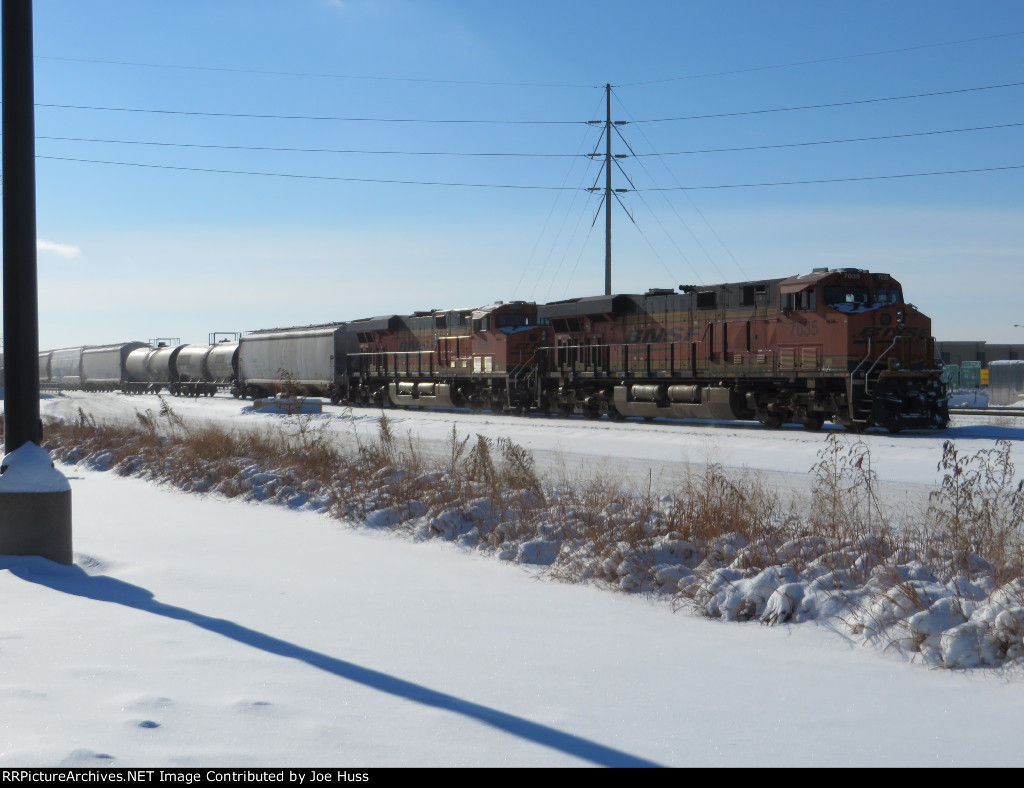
x=499 y=83
x=298 y=176
x=317 y=74
x=274 y=149
x=259 y=116
x=832 y=104
x=835 y=180
x=831 y=142
x=816 y=61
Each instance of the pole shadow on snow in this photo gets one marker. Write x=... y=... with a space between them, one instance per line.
x=75 y=581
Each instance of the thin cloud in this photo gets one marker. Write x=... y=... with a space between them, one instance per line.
x=64 y=250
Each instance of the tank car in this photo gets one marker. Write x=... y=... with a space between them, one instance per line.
x=222 y=364
x=839 y=345
x=200 y=370
x=149 y=369
x=479 y=358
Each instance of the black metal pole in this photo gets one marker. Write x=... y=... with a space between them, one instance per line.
x=21 y=305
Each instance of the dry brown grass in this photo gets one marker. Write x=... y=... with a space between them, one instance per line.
x=591 y=526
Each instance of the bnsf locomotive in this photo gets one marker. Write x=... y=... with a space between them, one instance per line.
x=832 y=345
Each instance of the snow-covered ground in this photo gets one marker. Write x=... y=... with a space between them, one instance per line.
x=194 y=631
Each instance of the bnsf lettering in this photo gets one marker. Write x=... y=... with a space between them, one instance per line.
x=891 y=332
x=809 y=329
x=652 y=336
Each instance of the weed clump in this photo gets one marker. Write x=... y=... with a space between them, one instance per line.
x=717 y=541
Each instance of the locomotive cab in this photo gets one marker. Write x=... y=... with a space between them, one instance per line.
x=857 y=324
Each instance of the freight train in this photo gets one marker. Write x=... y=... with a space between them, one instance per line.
x=839 y=345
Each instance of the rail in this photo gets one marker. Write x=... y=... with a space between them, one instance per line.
x=985 y=411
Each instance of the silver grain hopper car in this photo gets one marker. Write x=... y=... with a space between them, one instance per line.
x=44 y=367
x=103 y=367
x=1005 y=382
x=65 y=368
x=291 y=361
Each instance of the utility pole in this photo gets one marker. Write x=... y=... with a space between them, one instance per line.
x=608 y=190
x=21 y=318
x=35 y=498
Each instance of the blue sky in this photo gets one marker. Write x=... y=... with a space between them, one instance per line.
x=242 y=164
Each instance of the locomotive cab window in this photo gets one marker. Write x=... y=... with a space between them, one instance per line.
x=804 y=301
x=513 y=320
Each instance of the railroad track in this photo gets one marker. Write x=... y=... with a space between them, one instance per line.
x=997 y=411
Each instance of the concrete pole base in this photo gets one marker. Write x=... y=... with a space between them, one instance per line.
x=36 y=523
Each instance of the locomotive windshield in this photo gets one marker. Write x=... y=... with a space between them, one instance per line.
x=888 y=295
x=517 y=320
x=847 y=298
x=837 y=295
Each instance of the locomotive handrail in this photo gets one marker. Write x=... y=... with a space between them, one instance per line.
x=867 y=375
x=863 y=361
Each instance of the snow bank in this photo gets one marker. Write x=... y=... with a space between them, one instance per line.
x=29 y=469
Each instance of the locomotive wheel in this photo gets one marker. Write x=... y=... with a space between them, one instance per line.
x=772 y=422
x=814 y=424
x=894 y=424
x=608 y=409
